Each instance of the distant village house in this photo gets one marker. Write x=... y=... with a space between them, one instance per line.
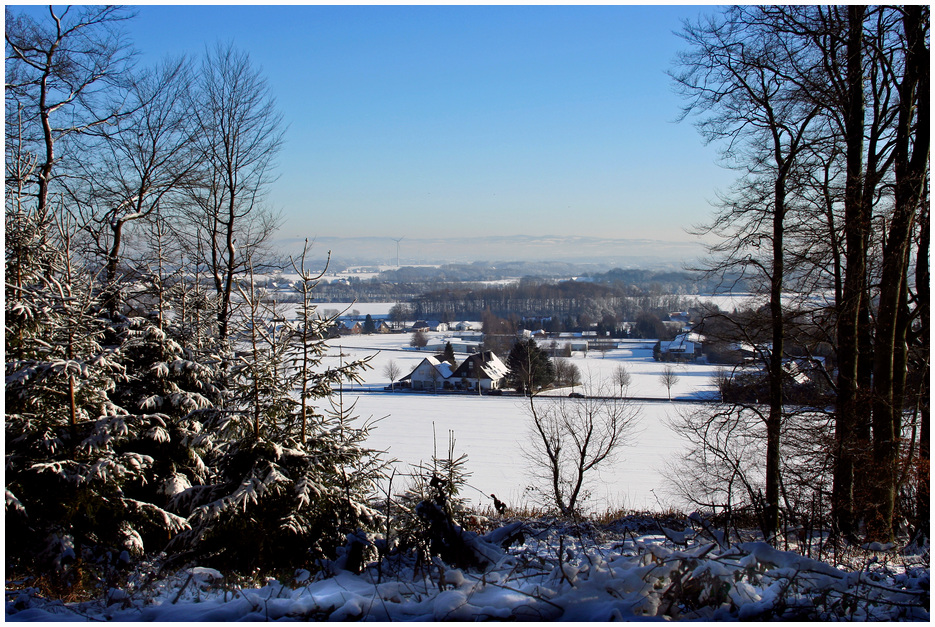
x=484 y=370
x=685 y=347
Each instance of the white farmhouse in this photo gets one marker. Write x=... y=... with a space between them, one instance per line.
x=430 y=374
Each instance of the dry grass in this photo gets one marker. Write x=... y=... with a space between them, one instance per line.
x=612 y=515
x=486 y=518
x=76 y=583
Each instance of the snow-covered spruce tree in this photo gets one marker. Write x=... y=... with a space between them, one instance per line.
x=426 y=515
x=65 y=436
x=290 y=483
x=27 y=252
x=174 y=389
x=171 y=367
x=530 y=368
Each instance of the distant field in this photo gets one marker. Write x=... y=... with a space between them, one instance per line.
x=492 y=429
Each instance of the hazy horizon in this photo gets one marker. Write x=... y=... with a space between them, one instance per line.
x=624 y=253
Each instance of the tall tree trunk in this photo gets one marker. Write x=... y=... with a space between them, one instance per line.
x=111 y=298
x=45 y=169
x=855 y=269
x=910 y=165
x=774 y=421
x=923 y=508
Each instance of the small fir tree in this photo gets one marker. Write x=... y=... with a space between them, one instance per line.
x=449 y=354
x=67 y=437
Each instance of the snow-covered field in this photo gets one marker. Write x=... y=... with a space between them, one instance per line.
x=634 y=568
x=740 y=300
x=492 y=430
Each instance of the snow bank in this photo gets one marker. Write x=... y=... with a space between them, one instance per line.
x=560 y=573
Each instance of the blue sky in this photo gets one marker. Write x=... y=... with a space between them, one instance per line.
x=428 y=121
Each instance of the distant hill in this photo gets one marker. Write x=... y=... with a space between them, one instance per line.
x=600 y=253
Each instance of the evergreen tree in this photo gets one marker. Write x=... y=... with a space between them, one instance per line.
x=289 y=482
x=529 y=367
x=450 y=354
x=433 y=496
x=65 y=435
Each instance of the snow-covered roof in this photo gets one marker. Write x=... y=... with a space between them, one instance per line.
x=487 y=364
x=443 y=368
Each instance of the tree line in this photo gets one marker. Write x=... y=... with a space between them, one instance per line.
x=824 y=113
x=580 y=302
x=431 y=290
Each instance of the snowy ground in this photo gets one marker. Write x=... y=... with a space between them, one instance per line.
x=741 y=300
x=492 y=430
x=632 y=569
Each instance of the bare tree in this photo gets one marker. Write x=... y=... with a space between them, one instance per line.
x=140 y=164
x=400 y=313
x=241 y=135
x=876 y=100
x=866 y=146
x=911 y=168
x=669 y=377
x=736 y=75
x=622 y=379
x=833 y=133
x=392 y=371
x=566 y=373
x=61 y=77
x=570 y=438
x=719 y=470
x=419 y=339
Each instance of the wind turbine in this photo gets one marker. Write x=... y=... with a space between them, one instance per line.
x=397 y=248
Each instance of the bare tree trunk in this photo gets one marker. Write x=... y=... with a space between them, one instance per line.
x=774 y=421
x=923 y=492
x=45 y=168
x=910 y=164
x=855 y=269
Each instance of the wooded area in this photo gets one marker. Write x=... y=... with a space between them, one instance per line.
x=824 y=112
x=149 y=387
